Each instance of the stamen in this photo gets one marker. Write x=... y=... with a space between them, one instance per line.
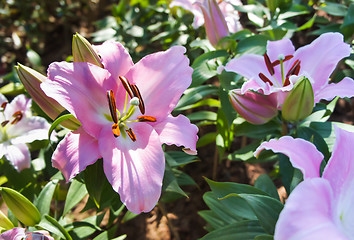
x=265 y=79
x=131 y=134
x=277 y=62
x=127 y=86
x=3 y=105
x=145 y=118
x=268 y=64
x=294 y=68
x=115 y=130
x=138 y=95
x=3 y=124
x=286 y=82
x=112 y=105
x=18 y=116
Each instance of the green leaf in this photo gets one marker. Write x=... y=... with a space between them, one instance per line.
x=202 y=115
x=213 y=220
x=43 y=202
x=205 y=67
x=335 y=9
x=264 y=237
x=86 y=227
x=77 y=191
x=220 y=210
x=347 y=28
x=271 y=128
x=245 y=230
x=308 y=24
x=210 y=102
x=206 y=139
x=50 y=224
x=170 y=183
x=193 y=95
x=94 y=181
x=267 y=210
x=236 y=206
x=179 y=158
x=265 y=183
x=58 y=120
x=255 y=44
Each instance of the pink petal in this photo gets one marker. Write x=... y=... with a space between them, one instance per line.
x=135 y=169
x=339 y=170
x=344 y=88
x=16 y=233
x=81 y=89
x=75 y=152
x=19 y=103
x=308 y=213
x=242 y=66
x=115 y=58
x=302 y=154
x=28 y=130
x=231 y=14
x=320 y=58
x=179 y=131
x=190 y=6
x=18 y=155
x=282 y=47
x=2 y=99
x=162 y=77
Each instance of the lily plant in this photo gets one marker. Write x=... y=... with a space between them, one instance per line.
x=321 y=206
x=18 y=128
x=125 y=115
x=278 y=70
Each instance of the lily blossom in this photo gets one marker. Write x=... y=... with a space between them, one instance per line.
x=320 y=207
x=227 y=10
x=18 y=233
x=281 y=67
x=18 y=127
x=127 y=134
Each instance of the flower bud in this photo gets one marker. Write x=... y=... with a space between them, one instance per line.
x=20 y=206
x=254 y=107
x=32 y=79
x=215 y=24
x=300 y=101
x=5 y=223
x=84 y=52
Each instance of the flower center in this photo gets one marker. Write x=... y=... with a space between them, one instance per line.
x=16 y=117
x=294 y=70
x=119 y=126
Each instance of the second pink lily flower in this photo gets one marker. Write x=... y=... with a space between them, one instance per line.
x=127 y=134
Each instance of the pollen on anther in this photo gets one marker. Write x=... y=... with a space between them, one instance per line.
x=145 y=118
x=131 y=134
x=115 y=130
x=112 y=105
x=265 y=79
x=268 y=64
x=137 y=94
x=17 y=117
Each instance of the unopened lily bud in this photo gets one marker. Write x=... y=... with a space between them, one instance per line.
x=5 y=223
x=84 y=52
x=300 y=101
x=254 y=107
x=20 y=206
x=31 y=79
x=215 y=24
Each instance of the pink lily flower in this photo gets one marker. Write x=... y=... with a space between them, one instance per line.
x=281 y=66
x=18 y=233
x=319 y=207
x=126 y=134
x=18 y=127
x=231 y=16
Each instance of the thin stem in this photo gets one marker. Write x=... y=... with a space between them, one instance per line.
x=215 y=163
x=161 y=206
